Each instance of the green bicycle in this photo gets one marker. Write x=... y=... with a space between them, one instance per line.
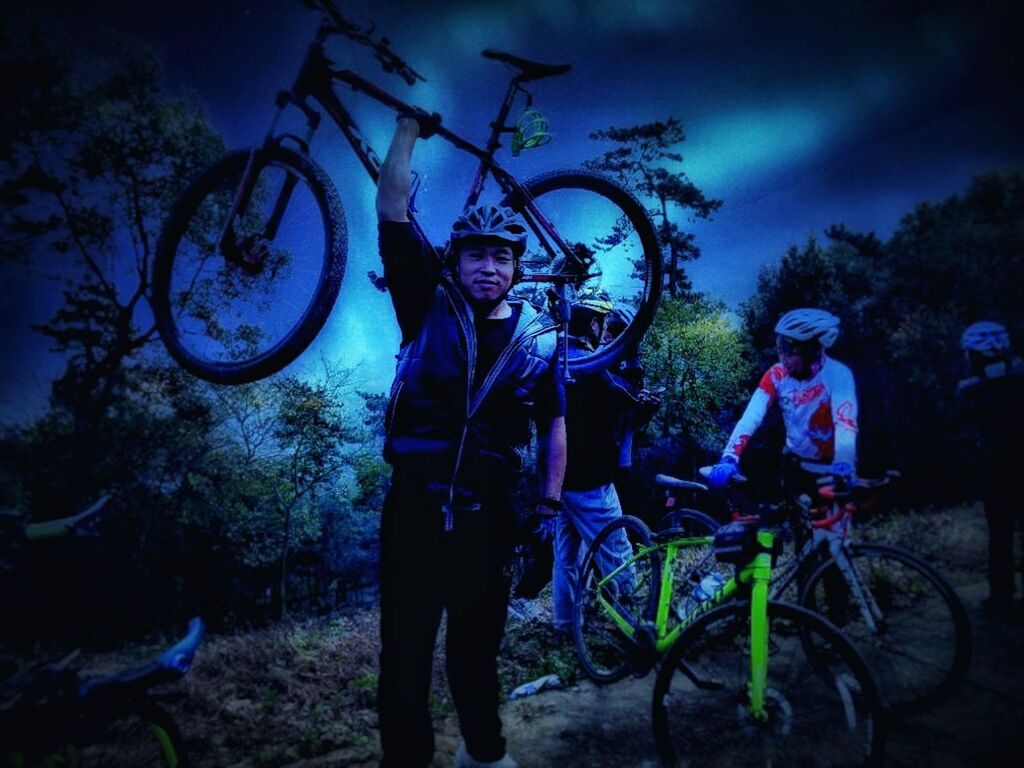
x=775 y=683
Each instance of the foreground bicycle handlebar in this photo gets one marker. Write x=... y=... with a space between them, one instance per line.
x=171 y=665
x=50 y=715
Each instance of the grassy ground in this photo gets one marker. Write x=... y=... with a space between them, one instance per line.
x=305 y=693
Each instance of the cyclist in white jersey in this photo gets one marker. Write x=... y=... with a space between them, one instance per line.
x=816 y=394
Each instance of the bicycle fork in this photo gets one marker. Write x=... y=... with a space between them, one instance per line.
x=226 y=243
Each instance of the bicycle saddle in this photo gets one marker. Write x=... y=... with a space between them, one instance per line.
x=530 y=70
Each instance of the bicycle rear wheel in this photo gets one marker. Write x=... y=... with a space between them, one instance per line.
x=920 y=643
x=821 y=709
x=237 y=301
x=607 y=589
x=610 y=229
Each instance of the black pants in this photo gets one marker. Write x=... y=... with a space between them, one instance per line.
x=1002 y=511
x=425 y=569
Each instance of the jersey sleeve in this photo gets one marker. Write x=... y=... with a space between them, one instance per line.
x=844 y=417
x=410 y=274
x=754 y=413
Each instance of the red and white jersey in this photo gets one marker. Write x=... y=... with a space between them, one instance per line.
x=820 y=413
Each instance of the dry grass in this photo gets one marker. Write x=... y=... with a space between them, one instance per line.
x=281 y=694
x=954 y=539
x=306 y=692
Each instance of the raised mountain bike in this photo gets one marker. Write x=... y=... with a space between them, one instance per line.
x=52 y=716
x=742 y=679
x=251 y=258
x=900 y=612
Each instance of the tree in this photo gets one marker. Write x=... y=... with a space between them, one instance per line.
x=310 y=430
x=95 y=151
x=694 y=350
x=644 y=164
x=831 y=277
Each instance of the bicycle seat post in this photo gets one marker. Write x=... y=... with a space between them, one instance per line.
x=498 y=127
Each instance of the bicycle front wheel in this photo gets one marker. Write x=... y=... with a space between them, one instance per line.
x=610 y=230
x=237 y=298
x=821 y=708
x=616 y=589
x=144 y=735
x=910 y=625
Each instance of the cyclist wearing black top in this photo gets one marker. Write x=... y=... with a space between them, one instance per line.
x=595 y=404
x=992 y=398
x=474 y=369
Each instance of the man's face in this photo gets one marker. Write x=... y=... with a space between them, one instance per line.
x=486 y=269
x=796 y=357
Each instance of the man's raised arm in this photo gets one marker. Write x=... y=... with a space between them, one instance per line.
x=394 y=183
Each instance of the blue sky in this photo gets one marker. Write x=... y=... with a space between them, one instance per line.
x=798 y=114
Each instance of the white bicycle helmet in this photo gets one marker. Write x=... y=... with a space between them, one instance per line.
x=493 y=222
x=987 y=338
x=807 y=323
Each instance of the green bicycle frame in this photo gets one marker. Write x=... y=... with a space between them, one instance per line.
x=757 y=573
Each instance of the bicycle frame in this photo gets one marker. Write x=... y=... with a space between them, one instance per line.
x=756 y=574
x=836 y=545
x=316 y=81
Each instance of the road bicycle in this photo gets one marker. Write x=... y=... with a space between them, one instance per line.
x=252 y=255
x=742 y=679
x=900 y=612
x=52 y=716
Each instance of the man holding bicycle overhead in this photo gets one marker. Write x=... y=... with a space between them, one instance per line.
x=818 y=400
x=992 y=397
x=474 y=369
x=595 y=404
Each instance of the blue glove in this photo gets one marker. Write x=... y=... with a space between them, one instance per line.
x=722 y=472
x=546 y=527
x=843 y=472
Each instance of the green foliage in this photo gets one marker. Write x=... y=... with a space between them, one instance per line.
x=372 y=474
x=694 y=350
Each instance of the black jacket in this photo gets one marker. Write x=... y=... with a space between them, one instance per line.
x=446 y=423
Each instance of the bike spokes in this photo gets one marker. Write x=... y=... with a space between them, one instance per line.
x=238 y=288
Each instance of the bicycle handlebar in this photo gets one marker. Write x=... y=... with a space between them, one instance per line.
x=858 y=489
x=65 y=526
x=169 y=666
x=667 y=481
x=389 y=60
x=737 y=478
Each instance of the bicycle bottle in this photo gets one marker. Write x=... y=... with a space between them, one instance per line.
x=707 y=588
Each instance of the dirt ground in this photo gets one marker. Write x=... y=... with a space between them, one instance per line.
x=610 y=727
